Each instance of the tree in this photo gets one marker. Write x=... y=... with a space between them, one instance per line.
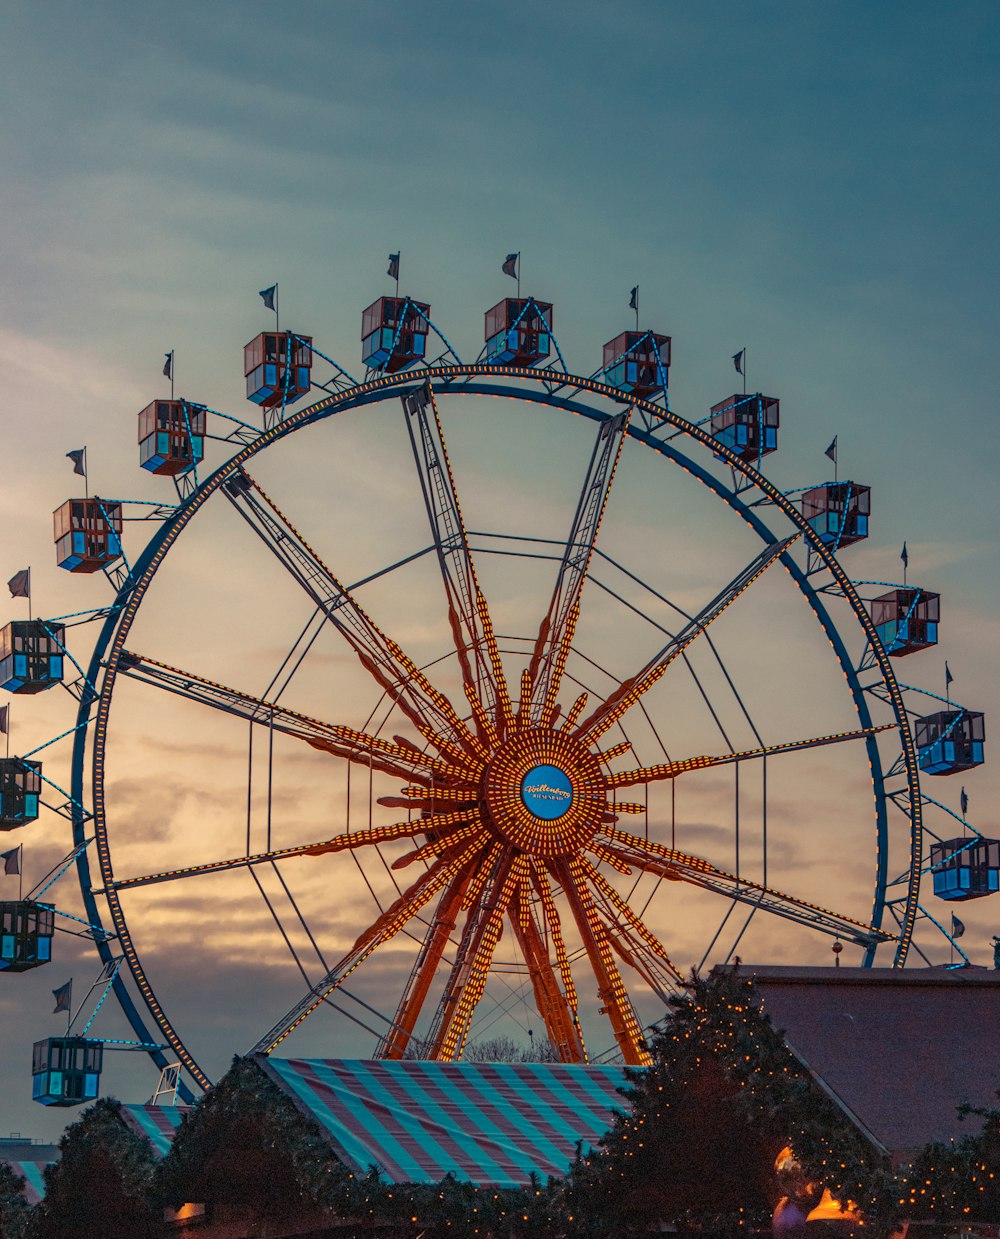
x=15 y=1212
x=102 y=1186
x=697 y=1144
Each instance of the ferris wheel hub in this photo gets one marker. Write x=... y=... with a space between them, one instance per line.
x=544 y=792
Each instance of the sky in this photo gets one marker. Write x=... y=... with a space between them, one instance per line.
x=814 y=183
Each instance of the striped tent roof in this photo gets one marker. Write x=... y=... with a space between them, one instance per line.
x=486 y=1123
x=159 y=1123
x=33 y=1171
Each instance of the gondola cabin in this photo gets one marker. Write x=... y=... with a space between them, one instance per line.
x=747 y=425
x=518 y=332
x=66 y=1071
x=949 y=741
x=394 y=334
x=637 y=362
x=838 y=512
x=31 y=655
x=277 y=366
x=26 y=930
x=88 y=534
x=20 y=788
x=965 y=868
x=171 y=436
x=906 y=620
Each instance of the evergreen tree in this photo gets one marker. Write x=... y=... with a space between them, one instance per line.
x=102 y=1186
x=15 y=1212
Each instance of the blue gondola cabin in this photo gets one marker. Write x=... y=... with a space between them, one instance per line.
x=906 y=620
x=747 y=425
x=20 y=788
x=838 y=512
x=277 y=365
x=171 y=436
x=965 y=868
x=637 y=362
x=26 y=930
x=950 y=741
x=88 y=534
x=31 y=655
x=66 y=1071
x=394 y=334
x=518 y=332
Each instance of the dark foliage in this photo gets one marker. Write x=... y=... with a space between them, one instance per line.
x=15 y=1212
x=958 y=1182
x=102 y=1187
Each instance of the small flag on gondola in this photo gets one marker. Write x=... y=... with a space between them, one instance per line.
x=79 y=458
x=11 y=861
x=904 y=556
x=957 y=926
x=633 y=300
x=510 y=265
x=738 y=360
x=267 y=296
x=949 y=679
x=963 y=801
x=3 y=720
x=20 y=584
x=393 y=272
x=168 y=365
x=63 y=996
x=831 y=451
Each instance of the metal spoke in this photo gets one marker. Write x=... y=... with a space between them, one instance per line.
x=676 y=866
x=395 y=918
x=555 y=636
x=631 y=690
x=670 y=770
x=610 y=986
x=401 y=761
x=621 y=907
x=427 y=708
x=468 y=614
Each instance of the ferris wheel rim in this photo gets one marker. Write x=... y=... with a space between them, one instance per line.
x=541 y=387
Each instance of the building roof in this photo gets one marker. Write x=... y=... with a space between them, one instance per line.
x=29 y=1159
x=486 y=1123
x=158 y=1123
x=901 y=1049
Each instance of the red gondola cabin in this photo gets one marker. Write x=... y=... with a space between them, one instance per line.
x=950 y=741
x=171 y=436
x=637 y=362
x=26 y=930
x=394 y=334
x=20 y=788
x=31 y=655
x=838 y=512
x=747 y=425
x=277 y=366
x=965 y=868
x=66 y=1071
x=88 y=534
x=906 y=620
x=517 y=332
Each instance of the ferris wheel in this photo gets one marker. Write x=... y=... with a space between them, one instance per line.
x=510 y=687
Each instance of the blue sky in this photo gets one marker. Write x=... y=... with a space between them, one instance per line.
x=814 y=182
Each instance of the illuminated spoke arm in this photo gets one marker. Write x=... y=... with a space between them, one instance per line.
x=676 y=866
x=610 y=986
x=350 y=841
x=555 y=636
x=395 y=918
x=425 y=967
x=670 y=770
x=472 y=629
x=632 y=690
x=622 y=910
x=426 y=707
x=486 y=902
x=561 y=1023
x=405 y=762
